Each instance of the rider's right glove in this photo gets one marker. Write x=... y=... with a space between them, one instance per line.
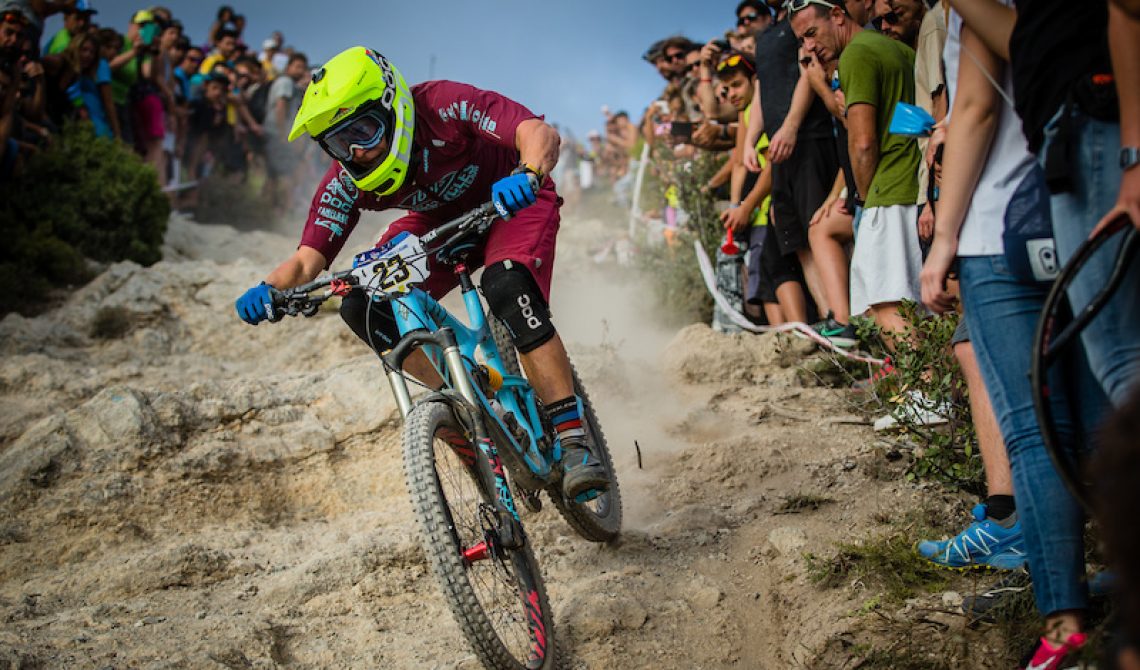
x=515 y=192
x=256 y=304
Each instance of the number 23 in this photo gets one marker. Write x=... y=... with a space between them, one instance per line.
x=396 y=272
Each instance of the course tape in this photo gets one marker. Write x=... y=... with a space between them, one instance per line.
x=742 y=321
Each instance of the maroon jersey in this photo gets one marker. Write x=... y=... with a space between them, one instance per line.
x=464 y=142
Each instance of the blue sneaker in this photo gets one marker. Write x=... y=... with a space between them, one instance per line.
x=984 y=544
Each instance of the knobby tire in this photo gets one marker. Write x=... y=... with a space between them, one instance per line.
x=598 y=520
x=500 y=605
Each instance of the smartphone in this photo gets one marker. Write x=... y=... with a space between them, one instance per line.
x=148 y=32
x=681 y=129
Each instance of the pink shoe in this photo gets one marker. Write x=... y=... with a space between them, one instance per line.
x=1048 y=656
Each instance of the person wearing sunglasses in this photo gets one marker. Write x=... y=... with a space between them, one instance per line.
x=903 y=21
x=773 y=278
x=802 y=152
x=875 y=73
x=669 y=56
x=439 y=149
x=751 y=16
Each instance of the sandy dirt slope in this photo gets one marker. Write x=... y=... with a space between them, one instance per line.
x=202 y=494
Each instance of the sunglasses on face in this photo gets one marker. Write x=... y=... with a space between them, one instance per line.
x=674 y=57
x=890 y=18
x=746 y=18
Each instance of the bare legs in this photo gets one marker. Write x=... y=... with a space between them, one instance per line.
x=829 y=260
x=995 y=460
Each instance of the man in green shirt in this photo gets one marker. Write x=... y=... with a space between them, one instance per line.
x=76 y=20
x=875 y=74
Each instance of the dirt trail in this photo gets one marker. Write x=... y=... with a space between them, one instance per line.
x=201 y=494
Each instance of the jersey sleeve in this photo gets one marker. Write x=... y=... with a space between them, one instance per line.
x=476 y=113
x=334 y=212
x=859 y=76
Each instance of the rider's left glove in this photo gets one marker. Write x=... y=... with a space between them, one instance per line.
x=515 y=192
x=256 y=304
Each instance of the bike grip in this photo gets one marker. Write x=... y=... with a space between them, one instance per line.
x=277 y=299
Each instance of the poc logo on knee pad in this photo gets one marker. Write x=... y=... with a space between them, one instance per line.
x=532 y=321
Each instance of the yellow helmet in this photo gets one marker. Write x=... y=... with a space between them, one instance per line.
x=356 y=101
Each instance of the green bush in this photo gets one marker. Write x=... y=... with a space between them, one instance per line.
x=924 y=362
x=82 y=197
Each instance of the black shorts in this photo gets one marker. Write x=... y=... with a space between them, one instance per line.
x=799 y=186
x=767 y=267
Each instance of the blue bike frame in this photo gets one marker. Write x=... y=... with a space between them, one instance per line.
x=418 y=311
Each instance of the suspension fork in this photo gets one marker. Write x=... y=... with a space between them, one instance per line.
x=490 y=467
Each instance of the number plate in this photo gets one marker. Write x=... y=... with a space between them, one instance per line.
x=394 y=267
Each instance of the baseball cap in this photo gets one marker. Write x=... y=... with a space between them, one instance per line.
x=82 y=7
x=143 y=16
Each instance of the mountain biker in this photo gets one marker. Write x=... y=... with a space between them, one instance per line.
x=436 y=149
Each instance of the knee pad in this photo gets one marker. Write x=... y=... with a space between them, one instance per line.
x=515 y=300
x=373 y=322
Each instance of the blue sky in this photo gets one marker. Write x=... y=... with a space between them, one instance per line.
x=564 y=60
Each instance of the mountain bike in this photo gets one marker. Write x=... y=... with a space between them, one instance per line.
x=458 y=437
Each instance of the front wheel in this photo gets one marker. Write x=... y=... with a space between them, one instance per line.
x=496 y=595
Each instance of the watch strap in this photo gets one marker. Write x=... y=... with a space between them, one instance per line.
x=1129 y=157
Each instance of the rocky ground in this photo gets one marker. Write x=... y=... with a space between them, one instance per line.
x=180 y=490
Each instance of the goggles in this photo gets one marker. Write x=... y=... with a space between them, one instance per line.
x=363 y=131
x=735 y=60
x=794 y=6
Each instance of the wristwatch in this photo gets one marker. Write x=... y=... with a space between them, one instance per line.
x=1129 y=158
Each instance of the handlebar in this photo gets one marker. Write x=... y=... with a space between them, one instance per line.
x=301 y=300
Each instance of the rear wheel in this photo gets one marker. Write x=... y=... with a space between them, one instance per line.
x=598 y=520
x=496 y=595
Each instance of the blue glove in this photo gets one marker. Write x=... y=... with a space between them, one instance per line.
x=256 y=304
x=513 y=193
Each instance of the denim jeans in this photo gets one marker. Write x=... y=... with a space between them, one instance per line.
x=1003 y=315
x=1112 y=340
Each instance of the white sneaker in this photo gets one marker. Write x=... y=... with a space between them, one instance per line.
x=918 y=409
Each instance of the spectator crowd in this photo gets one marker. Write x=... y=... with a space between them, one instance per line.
x=837 y=209
x=840 y=210
x=189 y=107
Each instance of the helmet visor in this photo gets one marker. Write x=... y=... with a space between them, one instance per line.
x=364 y=131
